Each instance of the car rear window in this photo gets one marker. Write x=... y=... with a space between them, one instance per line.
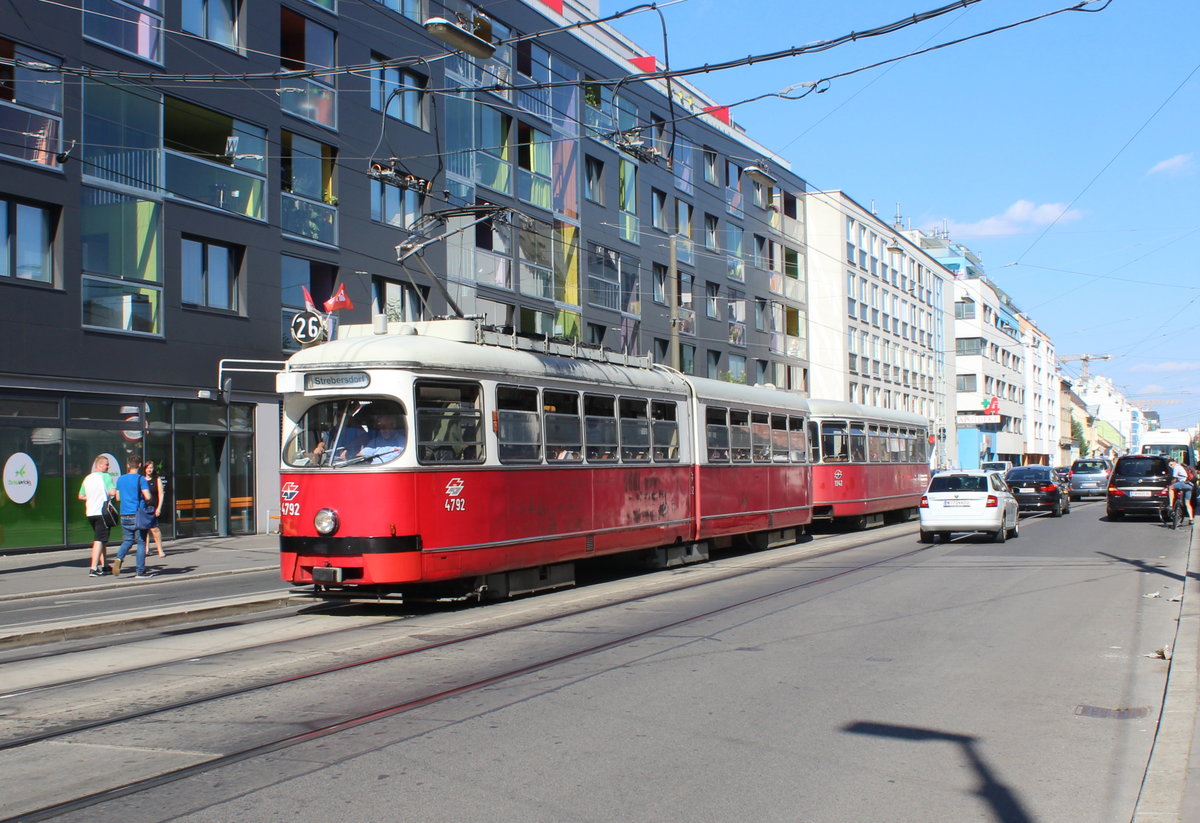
x=1088 y=466
x=958 y=483
x=1141 y=467
x=1028 y=473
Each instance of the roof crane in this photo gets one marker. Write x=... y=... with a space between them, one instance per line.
x=1085 y=359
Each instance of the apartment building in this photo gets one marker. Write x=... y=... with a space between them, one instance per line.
x=179 y=178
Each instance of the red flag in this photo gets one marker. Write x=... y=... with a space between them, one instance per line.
x=645 y=64
x=340 y=300
x=719 y=112
x=309 y=305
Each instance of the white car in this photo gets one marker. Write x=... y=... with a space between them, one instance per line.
x=968 y=500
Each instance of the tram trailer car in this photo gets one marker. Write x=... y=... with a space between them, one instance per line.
x=868 y=464
x=445 y=459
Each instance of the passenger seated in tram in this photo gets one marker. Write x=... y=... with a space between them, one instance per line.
x=385 y=441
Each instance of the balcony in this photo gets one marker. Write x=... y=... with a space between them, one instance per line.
x=309 y=219
x=29 y=136
x=687 y=321
x=216 y=185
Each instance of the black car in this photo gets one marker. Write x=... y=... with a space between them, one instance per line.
x=1039 y=489
x=1139 y=484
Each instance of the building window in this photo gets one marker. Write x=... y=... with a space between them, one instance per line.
x=710 y=166
x=135 y=27
x=120 y=237
x=628 y=201
x=215 y=160
x=398 y=92
x=533 y=166
x=396 y=301
x=658 y=209
x=711 y=230
x=714 y=365
x=492 y=162
x=395 y=205
x=297 y=276
x=309 y=201
x=213 y=20
x=535 y=247
x=733 y=252
x=684 y=246
x=712 y=300
x=305 y=44
x=968 y=382
x=409 y=8
x=30 y=105
x=687 y=359
x=593 y=179
x=659 y=283
x=27 y=241
x=210 y=274
x=613 y=281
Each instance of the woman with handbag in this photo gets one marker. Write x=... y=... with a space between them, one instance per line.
x=133 y=492
x=155 y=505
x=97 y=490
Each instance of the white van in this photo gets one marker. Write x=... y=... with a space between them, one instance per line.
x=1001 y=466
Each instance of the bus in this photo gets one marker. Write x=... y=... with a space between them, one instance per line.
x=1173 y=443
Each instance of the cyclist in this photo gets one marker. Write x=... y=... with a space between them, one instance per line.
x=1180 y=485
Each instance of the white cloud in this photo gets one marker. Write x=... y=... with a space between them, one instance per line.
x=1176 y=166
x=1021 y=217
x=1170 y=365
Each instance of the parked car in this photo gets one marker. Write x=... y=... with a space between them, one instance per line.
x=1138 y=484
x=968 y=500
x=1089 y=477
x=1039 y=489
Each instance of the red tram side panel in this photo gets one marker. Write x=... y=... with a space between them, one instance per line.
x=856 y=489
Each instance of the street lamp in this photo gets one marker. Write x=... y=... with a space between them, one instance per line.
x=457 y=35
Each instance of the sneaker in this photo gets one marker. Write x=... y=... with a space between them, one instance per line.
x=106 y=570
x=95 y=572
x=116 y=567
x=143 y=575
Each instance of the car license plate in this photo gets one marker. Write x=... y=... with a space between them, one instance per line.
x=1088 y=485
x=1139 y=493
x=956 y=503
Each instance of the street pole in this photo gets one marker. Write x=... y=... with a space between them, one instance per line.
x=673 y=298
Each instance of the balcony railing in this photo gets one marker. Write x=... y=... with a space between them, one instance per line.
x=28 y=135
x=216 y=185
x=310 y=219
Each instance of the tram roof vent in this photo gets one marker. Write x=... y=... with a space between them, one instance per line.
x=559 y=347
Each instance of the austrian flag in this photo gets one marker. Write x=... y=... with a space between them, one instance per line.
x=340 y=300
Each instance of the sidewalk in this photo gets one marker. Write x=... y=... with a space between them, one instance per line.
x=26 y=579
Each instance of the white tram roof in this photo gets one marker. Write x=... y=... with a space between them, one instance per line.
x=841 y=410
x=463 y=348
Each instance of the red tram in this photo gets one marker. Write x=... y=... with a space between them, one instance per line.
x=451 y=460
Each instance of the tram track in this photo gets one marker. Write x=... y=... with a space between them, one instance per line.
x=426 y=696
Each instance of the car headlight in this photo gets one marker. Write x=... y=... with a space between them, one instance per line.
x=325 y=521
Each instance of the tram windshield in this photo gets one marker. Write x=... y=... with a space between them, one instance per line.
x=348 y=432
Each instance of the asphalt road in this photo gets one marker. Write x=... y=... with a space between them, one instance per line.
x=960 y=682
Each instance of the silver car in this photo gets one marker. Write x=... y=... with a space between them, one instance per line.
x=1089 y=477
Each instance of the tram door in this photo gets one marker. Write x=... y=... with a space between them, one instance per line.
x=197 y=493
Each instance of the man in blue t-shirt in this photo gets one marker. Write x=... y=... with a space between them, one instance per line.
x=133 y=491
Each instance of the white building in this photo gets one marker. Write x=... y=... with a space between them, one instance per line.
x=1042 y=395
x=878 y=316
x=1108 y=403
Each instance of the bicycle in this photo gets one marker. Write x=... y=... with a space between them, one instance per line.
x=1178 y=511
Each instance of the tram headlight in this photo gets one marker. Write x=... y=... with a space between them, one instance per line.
x=325 y=521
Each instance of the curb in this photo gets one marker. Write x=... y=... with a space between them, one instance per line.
x=152 y=619
x=1164 y=786
x=117 y=582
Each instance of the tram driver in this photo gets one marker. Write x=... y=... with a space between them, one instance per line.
x=385 y=441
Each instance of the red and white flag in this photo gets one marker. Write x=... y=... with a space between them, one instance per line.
x=309 y=305
x=340 y=300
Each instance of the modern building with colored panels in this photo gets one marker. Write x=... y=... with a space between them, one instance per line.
x=177 y=175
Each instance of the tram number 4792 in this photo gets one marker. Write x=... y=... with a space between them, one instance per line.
x=455 y=504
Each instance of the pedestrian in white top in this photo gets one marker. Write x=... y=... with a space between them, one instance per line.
x=96 y=489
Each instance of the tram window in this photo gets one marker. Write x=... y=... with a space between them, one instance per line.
x=779 y=439
x=564 y=441
x=814 y=441
x=876 y=444
x=739 y=436
x=518 y=425
x=835 y=443
x=716 y=434
x=600 y=426
x=344 y=432
x=895 y=446
x=449 y=422
x=858 y=442
x=635 y=430
x=799 y=449
x=664 y=429
x=760 y=435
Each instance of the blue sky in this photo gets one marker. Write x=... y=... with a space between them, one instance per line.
x=1065 y=152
